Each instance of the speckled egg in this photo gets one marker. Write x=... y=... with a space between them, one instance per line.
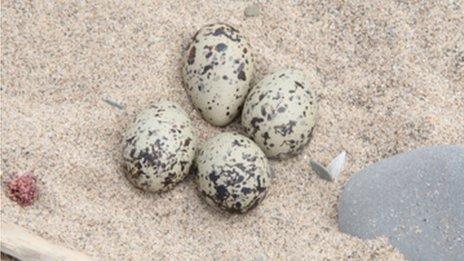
x=159 y=147
x=217 y=72
x=232 y=172
x=279 y=113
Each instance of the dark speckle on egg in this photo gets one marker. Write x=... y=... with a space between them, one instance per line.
x=191 y=57
x=221 y=47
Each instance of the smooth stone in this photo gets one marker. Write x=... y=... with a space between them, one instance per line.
x=416 y=199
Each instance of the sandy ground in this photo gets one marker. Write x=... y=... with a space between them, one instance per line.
x=392 y=79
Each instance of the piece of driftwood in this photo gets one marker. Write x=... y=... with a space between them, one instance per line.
x=23 y=245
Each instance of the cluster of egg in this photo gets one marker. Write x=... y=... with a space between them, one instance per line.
x=232 y=170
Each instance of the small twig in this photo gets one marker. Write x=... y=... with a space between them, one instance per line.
x=113 y=103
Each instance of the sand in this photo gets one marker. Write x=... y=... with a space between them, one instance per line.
x=391 y=79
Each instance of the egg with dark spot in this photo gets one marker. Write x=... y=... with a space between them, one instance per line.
x=217 y=70
x=159 y=147
x=279 y=113
x=232 y=172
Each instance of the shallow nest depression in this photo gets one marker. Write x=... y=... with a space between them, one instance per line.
x=392 y=79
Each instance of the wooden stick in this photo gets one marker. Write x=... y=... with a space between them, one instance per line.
x=19 y=243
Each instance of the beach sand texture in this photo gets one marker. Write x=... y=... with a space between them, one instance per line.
x=391 y=78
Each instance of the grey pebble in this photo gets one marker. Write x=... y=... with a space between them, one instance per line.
x=252 y=10
x=416 y=199
x=321 y=171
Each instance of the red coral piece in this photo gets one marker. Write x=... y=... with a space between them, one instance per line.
x=23 y=189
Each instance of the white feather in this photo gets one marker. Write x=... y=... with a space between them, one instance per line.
x=336 y=166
